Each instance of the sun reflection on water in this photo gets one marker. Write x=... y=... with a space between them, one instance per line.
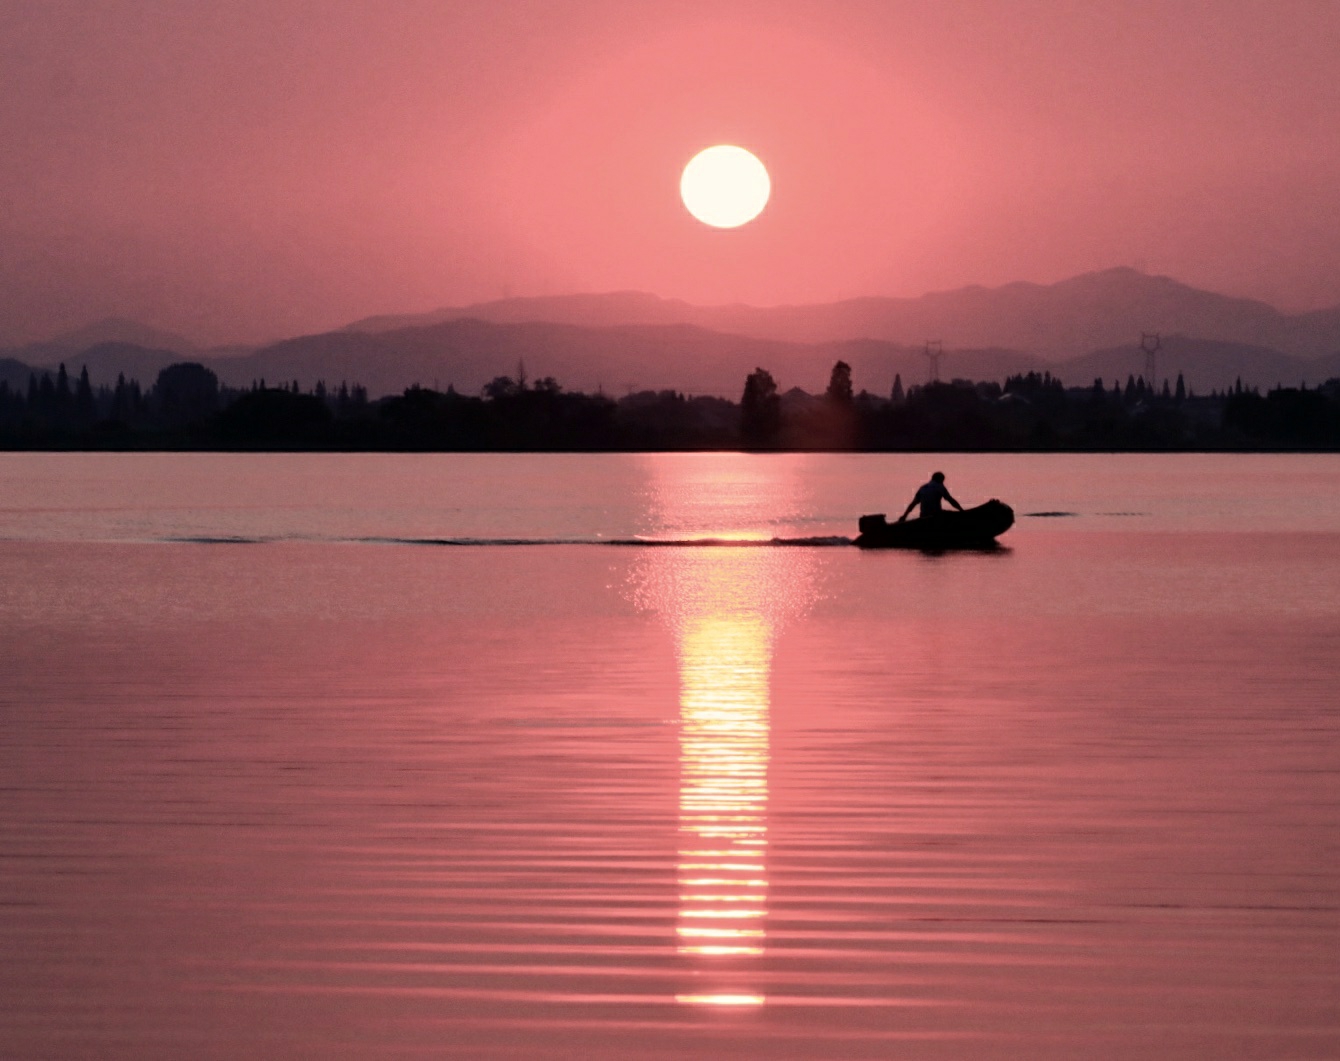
x=723 y=794
x=726 y=608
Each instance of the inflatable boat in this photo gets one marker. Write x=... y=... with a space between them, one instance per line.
x=973 y=528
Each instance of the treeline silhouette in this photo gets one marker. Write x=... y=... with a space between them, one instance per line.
x=187 y=409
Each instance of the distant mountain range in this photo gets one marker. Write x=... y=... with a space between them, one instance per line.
x=116 y=330
x=1079 y=329
x=1056 y=322
x=468 y=353
x=1205 y=363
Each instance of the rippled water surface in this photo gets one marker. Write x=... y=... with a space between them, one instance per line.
x=284 y=775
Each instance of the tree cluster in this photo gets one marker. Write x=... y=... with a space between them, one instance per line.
x=187 y=408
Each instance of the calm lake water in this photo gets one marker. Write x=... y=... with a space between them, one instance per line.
x=288 y=771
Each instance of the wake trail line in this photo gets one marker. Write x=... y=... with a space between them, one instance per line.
x=714 y=543
x=818 y=542
x=218 y=539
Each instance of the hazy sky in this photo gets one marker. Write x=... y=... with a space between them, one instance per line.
x=243 y=169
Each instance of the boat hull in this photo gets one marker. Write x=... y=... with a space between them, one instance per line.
x=973 y=528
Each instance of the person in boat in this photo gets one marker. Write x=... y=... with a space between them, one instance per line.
x=929 y=496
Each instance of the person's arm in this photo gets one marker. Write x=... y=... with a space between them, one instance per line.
x=949 y=497
x=911 y=505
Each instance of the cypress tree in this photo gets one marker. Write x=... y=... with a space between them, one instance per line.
x=63 y=404
x=760 y=408
x=84 y=406
x=839 y=384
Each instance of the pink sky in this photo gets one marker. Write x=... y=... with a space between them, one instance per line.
x=245 y=169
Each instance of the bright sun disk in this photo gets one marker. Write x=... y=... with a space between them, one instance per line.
x=725 y=186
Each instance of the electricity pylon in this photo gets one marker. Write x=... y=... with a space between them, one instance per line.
x=934 y=349
x=1151 y=344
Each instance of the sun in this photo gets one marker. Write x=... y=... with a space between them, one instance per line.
x=725 y=186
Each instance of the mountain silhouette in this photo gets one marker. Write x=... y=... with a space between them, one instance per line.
x=1205 y=364
x=106 y=360
x=120 y=330
x=1082 y=328
x=468 y=353
x=1099 y=310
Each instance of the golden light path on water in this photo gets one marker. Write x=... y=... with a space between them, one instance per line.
x=723 y=797
x=726 y=607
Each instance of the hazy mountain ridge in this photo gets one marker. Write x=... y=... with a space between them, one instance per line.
x=468 y=353
x=1205 y=364
x=634 y=341
x=596 y=310
x=67 y=345
x=1058 y=321
x=106 y=361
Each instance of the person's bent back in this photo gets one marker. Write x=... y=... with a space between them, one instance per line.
x=929 y=496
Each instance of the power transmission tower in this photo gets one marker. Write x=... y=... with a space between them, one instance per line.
x=934 y=349
x=1151 y=344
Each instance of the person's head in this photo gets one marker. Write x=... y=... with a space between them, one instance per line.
x=938 y=477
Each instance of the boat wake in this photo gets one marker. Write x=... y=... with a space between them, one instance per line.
x=216 y=539
x=816 y=542
x=636 y=542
